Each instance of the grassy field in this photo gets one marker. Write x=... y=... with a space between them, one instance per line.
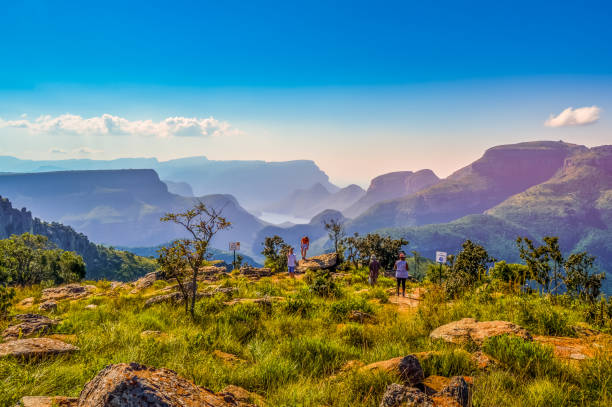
x=295 y=351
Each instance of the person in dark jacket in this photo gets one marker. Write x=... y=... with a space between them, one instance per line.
x=374 y=268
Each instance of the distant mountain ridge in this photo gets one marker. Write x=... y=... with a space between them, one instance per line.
x=253 y=183
x=306 y=203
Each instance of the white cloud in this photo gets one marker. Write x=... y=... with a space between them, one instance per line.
x=86 y=151
x=114 y=125
x=57 y=151
x=574 y=117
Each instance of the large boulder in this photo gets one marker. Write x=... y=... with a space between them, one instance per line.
x=410 y=370
x=458 y=390
x=145 y=282
x=255 y=272
x=69 y=291
x=35 y=348
x=132 y=385
x=323 y=262
x=29 y=325
x=469 y=330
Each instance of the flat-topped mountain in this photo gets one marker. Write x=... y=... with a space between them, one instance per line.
x=306 y=203
x=118 y=207
x=391 y=186
x=254 y=183
x=502 y=171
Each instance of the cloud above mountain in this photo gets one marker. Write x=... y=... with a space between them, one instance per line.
x=106 y=124
x=574 y=117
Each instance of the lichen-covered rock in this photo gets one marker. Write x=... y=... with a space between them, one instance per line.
x=30 y=324
x=469 y=330
x=145 y=282
x=69 y=291
x=255 y=272
x=398 y=395
x=53 y=401
x=457 y=389
x=323 y=262
x=35 y=348
x=131 y=385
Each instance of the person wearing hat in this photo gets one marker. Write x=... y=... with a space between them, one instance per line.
x=374 y=267
x=401 y=273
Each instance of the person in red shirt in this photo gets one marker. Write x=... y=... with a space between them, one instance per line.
x=305 y=244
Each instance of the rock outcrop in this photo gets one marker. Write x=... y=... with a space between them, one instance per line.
x=53 y=401
x=469 y=330
x=29 y=325
x=35 y=348
x=144 y=282
x=398 y=395
x=322 y=262
x=67 y=292
x=133 y=384
x=255 y=272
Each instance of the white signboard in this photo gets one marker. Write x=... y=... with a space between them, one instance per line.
x=441 y=257
x=234 y=246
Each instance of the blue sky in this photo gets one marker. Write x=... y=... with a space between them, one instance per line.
x=362 y=88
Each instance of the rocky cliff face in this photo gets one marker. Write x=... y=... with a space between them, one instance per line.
x=391 y=186
x=503 y=171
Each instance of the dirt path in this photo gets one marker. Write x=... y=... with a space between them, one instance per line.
x=410 y=302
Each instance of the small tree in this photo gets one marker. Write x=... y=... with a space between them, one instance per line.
x=578 y=280
x=536 y=259
x=173 y=263
x=335 y=230
x=275 y=251
x=202 y=224
x=469 y=266
x=416 y=257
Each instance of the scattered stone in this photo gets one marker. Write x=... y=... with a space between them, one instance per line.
x=323 y=262
x=457 y=389
x=576 y=349
x=145 y=282
x=48 y=306
x=410 y=370
x=360 y=316
x=26 y=302
x=468 y=330
x=228 y=358
x=43 y=401
x=91 y=306
x=149 y=333
x=242 y=396
x=390 y=365
x=35 y=347
x=31 y=324
x=172 y=298
x=398 y=395
x=483 y=361
x=70 y=291
x=133 y=384
x=255 y=272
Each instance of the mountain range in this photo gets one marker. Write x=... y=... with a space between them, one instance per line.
x=253 y=183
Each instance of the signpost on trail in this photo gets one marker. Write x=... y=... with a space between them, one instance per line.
x=234 y=246
x=440 y=258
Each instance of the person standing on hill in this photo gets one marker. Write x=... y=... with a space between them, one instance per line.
x=374 y=267
x=304 y=245
x=291 y=262
x=401 y=273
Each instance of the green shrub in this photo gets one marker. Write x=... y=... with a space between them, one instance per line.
x=6 y=300
x=543 y=319
x=522 y=357
x=324 y=285
x=340 y=309
x=378 y=293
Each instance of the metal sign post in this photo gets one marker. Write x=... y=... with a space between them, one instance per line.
x=233 y=246
x=440 y=258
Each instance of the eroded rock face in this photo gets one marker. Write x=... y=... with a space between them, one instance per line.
x=131 y=385
x=397 y=395
x=458 y=390
x=70 y=291
x=30 y=324
x=35 y=347
x=48 y=306
x=468 y=329
x=256 y=272
x=323 y=262
x=145 y=282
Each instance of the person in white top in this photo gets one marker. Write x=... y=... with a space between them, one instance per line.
x=291 y=262
x=401 y=273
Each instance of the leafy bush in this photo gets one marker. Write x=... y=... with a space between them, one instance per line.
x=378 y=293
x=543 y=319
x=323 y=284
x=6 y=298
x=522 y=357
x=600 y=313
